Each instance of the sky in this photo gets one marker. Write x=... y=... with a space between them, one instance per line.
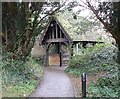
x=83 y=13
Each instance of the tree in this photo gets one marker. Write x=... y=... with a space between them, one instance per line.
x=107 y=13
x=21 y=23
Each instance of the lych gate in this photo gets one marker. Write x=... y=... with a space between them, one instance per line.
x=60 y=42
x=57 y=44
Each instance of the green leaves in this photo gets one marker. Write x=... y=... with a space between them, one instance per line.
x=19 y=78
x=97 y=61
x=21 y=90
x=97 y=91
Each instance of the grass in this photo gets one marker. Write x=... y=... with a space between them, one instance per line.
x=22 y=80
x=21 y=90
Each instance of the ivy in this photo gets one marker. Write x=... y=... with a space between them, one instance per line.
x=94 y=60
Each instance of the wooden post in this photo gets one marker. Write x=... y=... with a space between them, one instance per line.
x=49 y=35
x=76 y=49
x=71 y=50
x=60 y=33
x=56 y=30
x=60 y=52
x=53 y=33
x=46 y=55
x=57 y=47
x=84 y=44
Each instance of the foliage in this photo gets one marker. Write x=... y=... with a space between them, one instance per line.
x=99 y=62
x=52 y=49
x=19 y=78
x=110 y=16
x=106 y=85
x=89 y=58
x=105 y=12
x=39 y=60
x=21 y=23
x=20 y=90
x=104 y=91
x=81 y=28
x=109 y=12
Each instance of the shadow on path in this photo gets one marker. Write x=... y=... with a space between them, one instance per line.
x=54 y=84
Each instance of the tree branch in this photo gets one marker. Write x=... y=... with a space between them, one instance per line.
x=49 y=14
x=100 y=19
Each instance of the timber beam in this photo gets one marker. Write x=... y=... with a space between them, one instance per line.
x=56 y=40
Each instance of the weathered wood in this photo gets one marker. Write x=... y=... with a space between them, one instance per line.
x=60 y=53
x=56 y=40
x=84 y=44
x=47 y=36
x=46 y=55
x=57 y=47
x=74 y=42
x=56 y=30
x=71 y=50
x=54 y=59
x=60 y=33
x=53 y=34
x=60 y=58
x=65 y=58
x=63 y=30
x=76 y=48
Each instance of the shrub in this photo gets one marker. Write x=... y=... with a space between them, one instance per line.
x=97 y=59
x=17 y=73
x=94 y=58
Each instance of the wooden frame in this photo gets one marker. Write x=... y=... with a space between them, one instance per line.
x=56 y=34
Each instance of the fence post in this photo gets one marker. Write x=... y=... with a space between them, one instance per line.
x=83 y=80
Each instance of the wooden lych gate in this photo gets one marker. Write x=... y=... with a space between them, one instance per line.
x=60 y=45
x=57 y=44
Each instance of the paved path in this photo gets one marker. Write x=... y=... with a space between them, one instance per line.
x=54 y=84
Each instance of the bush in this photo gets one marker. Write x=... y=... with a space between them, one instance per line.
x=107 y=85
x=97 y=59
x=17 y=74
x=94 y=58
x=39 y=60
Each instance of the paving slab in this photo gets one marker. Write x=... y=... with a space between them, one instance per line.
x=55 y=83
